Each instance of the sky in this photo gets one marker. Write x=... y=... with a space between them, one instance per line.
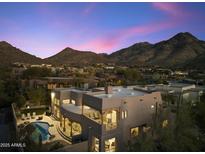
x=44 y=29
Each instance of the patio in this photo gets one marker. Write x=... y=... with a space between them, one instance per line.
x=48 y=119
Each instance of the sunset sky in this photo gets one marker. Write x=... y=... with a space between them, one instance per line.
x=43 y=29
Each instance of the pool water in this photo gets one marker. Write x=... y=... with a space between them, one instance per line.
x=42 y=129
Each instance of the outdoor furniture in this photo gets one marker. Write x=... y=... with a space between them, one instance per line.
x=40 y=118
x=33 y=115
x=51 y=137
x=23 y=117
x=28 y=116
x=26 y=122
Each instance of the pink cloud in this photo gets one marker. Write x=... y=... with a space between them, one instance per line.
x=170 y=8
x=113 y=40
x=176 y=16
x=173 y=10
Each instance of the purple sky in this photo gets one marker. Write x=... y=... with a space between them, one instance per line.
x=43 y=29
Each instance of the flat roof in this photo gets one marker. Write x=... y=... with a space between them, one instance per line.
x=72 y=108
x=180 y=85
x=57 y=78
x=119 y=92
x=73 y=89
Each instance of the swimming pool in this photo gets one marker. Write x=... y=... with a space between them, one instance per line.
x=42 y=129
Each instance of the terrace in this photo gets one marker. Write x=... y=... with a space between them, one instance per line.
x=119 y=92
x=26 y=119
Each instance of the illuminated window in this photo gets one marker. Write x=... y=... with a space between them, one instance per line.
x=134 y=132
x=56 y=101
x=110 y=145
x=56 y=111
x=73 y=102
x=124 y=114
x=76 y=128
x=110 y=119
x=146 y=129
x=92 y=114
x=66 y=101
x=165 y=123
x=71 y=128
x=95 y=144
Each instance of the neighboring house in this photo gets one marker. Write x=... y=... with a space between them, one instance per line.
x=59 y=82
x=108 y=118
x=187 y=92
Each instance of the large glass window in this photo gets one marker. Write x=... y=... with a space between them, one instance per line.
x=76 y=128
x=110 y=145
x=146 y=129
x=70 y=128
x=92 y=114
x=56 y=111
x=164 y=123
x=134 y=132
x=56 y=101
x=95 y=144
x=67 y=127
x=66 y=101
x=110 y=119
x=124 y=114
x=73 y=102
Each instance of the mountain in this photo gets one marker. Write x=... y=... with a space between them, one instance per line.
x=10 y=54
x=71 y=56
x=178 y=51
x=182 y=50
x=131 y=54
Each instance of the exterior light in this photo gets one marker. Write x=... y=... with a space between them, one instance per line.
x=152 y=106
x=52 y=95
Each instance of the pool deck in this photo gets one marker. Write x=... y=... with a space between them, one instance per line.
x=52 y=130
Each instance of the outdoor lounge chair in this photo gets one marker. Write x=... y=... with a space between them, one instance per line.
x=26 y=122
x=40 y=118
x=23 y=117
x=33 y=115
x=28 y=116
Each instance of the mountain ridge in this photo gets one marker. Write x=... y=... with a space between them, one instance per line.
x=10 y=54
x=178 y=51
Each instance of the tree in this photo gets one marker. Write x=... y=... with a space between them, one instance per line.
x=199 y=113
x=4 y=98
x=20 y=100
x=129 y=75
x=181 y=133
x=35 y=72
x=37 y=96
x=142 y=144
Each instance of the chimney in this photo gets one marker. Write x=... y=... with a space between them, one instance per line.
x=108 y=89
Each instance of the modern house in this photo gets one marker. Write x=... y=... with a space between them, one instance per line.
x=106 y=118
x=59 y=82
x=188 y=92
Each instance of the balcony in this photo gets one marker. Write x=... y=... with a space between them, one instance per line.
x=72 y=108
